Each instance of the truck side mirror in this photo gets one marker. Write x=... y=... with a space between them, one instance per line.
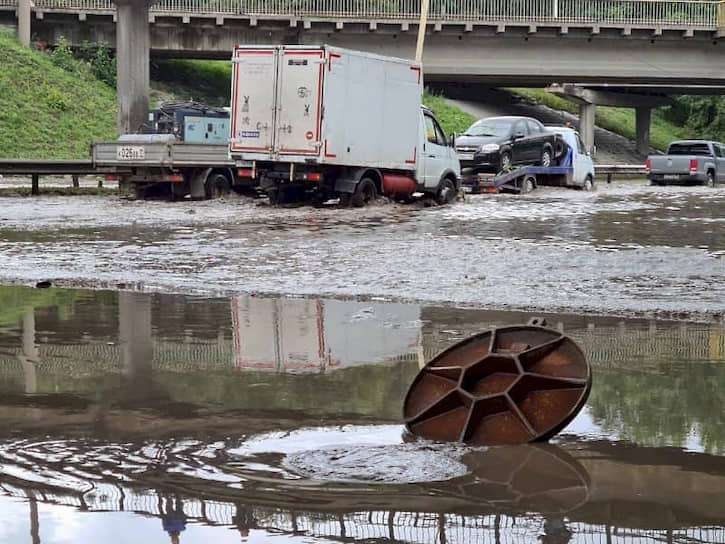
x=592 y=151
x=452 y=139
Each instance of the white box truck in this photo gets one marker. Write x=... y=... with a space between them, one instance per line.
x=336 y=123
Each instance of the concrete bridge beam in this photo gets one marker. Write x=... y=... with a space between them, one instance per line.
x=642 y=127
x=642 y=104
x=133 y=45
x=24 y=22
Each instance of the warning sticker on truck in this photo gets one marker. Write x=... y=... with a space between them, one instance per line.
x=250 y=134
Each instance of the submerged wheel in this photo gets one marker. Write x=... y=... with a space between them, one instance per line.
x=365 y=193
x=545 y=159
x=588 y=184
x=446 y=192
x=528 y=185
x=710 y=181
x=217 y=185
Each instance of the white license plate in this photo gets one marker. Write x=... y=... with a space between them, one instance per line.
x=130 y=153
x=672 y=176
x=465 y=156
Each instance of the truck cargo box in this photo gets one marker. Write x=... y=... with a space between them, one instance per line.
x=325 y=105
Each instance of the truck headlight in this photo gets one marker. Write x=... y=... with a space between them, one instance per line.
x=489 y=148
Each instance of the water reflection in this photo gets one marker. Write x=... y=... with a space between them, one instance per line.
x=282 y=416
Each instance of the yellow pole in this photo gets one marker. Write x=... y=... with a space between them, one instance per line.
x=424 y=7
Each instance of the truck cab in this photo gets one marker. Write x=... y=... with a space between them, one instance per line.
x=439 y=170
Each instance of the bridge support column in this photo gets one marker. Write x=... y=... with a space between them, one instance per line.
x=586 y=124
x=132 y=56
x=24 y=22
x=642 y=126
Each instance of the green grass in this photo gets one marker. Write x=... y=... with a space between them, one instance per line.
x=203 y=81
x=451 y=118
x=617 y=120
x=47 y=112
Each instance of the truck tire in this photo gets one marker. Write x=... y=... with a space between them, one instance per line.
x=710 y=181
x=365 y=193
x=528 y=184
x=446 y=192
x=588 y=184
x=545 y=159
x=217 y=185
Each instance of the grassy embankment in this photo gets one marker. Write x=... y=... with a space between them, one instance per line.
x=617 y=120
x=209 y=82
x=48 y=112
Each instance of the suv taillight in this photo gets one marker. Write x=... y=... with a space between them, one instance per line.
x=648 y=166
x=693 y=166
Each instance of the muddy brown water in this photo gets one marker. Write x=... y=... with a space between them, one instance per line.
x=149 y=417
x=626 y=248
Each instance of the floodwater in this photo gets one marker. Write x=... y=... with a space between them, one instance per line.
x=144 y=417
x=628 y=249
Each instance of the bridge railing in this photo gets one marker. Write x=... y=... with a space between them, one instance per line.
x=691 y=13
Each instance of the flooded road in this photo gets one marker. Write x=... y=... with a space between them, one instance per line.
x=628 y=249
x=137 y=417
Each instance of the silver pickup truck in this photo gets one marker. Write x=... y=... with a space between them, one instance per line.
x=688 y=161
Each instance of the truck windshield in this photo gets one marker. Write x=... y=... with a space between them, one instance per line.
x=489 y=127
x=689 y=149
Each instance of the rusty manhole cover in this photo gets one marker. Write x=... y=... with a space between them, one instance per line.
x=506 y=386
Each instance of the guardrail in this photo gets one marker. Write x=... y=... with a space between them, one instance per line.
x=706 y=14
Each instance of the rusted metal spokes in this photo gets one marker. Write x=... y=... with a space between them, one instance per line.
x=506 y=386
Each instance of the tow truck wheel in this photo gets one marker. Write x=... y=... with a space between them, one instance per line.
x=527 y=185
x=446 y=192
x=217 y=185
x=364 y=194
x=588 y=184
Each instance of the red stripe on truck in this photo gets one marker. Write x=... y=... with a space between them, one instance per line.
x=415 y=156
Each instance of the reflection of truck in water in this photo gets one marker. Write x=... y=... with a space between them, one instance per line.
x=313 y=335
x=332 y=122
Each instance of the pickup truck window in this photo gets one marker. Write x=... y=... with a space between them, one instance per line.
x=689 y=149
x=718 y=150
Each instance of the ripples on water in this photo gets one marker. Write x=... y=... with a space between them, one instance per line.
x=262 y=418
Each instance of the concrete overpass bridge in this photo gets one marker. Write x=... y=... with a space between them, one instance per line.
x=630 y=52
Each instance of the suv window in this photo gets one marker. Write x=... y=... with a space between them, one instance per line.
x=534 y=127
x=433 y=132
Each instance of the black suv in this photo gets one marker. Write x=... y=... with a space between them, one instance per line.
x=497 y=143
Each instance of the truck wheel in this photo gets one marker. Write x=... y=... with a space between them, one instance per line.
x=505 y=161
x=446 y=192
x=588 y=184
x=545 y=159
x=217 y=185
x=364 y=194
x=710 y=182
x=527 y=185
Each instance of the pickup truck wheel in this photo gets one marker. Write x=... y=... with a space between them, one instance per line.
x=710 y=182
x=505 y=161
x=216 y=186
x=364 y=194
x=446 y=192
x=545 y=159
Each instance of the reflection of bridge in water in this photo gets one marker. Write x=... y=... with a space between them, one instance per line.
x=390 y=525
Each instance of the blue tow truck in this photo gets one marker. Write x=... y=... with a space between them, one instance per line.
x=575 y=169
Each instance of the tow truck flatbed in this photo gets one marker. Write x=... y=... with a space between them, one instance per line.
x=520 y=180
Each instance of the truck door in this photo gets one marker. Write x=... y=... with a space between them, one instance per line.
x=253 y=101
x=435 y=154
x=299 y=101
